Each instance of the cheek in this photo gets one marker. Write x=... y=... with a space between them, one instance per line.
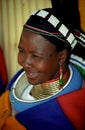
x=20 y=59
x=47 y=69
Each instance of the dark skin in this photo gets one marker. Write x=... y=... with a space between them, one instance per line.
x=39 y=58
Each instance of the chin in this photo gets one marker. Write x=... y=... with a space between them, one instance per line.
x=33 y=82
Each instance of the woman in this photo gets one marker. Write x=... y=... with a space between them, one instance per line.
x=48 y=92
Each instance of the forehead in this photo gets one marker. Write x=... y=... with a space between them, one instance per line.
x=34 y=40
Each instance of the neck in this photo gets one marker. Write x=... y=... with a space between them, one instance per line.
x=49 y=88
x=65 y=69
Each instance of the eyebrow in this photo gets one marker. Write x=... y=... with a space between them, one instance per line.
x=32 y=51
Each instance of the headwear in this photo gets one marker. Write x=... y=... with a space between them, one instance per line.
x=45 y=22
x=78 y=53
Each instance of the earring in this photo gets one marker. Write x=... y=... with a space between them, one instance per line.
x=61 y=75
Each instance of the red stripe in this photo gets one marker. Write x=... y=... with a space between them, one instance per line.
x=3 y=69
x=73 y=105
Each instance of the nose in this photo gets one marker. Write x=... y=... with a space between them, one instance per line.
x=27 y=62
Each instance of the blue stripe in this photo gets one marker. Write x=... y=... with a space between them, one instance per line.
x=47 y=116
x=77 y=61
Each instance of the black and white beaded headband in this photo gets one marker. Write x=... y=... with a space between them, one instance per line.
x=50 y=18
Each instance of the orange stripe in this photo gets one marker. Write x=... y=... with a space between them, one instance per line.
x=12 y=124
x=7 y=122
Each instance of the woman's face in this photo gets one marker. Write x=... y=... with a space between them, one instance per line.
x=38 y=57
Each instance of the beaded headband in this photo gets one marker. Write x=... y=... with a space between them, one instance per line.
x=63 y=31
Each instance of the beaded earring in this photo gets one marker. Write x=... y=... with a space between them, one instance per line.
x=61 y=76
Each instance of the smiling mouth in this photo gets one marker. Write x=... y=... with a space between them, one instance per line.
x=32 y=75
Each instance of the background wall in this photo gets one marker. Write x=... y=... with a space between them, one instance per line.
x=82 y=13
x=13 y=14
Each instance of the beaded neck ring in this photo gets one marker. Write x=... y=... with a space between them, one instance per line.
x=49 y=88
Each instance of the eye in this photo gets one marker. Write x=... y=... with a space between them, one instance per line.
x=35 y=56
x=20 y=50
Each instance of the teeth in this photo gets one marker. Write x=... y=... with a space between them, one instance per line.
x=32 y=75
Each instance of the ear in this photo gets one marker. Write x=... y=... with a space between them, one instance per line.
x=63 y=57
